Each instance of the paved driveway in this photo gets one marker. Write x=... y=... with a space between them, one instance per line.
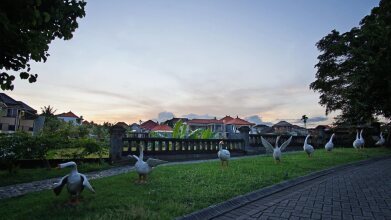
x=362 y=192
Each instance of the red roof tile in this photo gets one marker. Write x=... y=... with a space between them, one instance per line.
x=204 y=121
x=238 y=121
x=226 y=119
x=148 y=125
x=162 y=128
x=68 y=115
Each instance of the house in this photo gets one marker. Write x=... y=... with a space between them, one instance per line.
x=224 y=127
x=261 y=129
x=164 y=130
x=148 y=125
x=70 y=117
x=16 y=115
x=214 y=125
x=173 y=121
x=232 y=125
x=135 y=128
x=297 y=130
x=284 y=127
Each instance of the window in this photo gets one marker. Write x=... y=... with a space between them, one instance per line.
x=12 y=112
x=30 y=128
x=11 y=127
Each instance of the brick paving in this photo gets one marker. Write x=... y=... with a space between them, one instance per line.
x=358 y=192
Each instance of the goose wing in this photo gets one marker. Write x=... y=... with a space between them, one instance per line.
x=267 y=145
x=86 y=183
x=155 y=162
x=58 y=186
x=285 y=144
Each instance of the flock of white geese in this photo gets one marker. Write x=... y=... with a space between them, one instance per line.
x=76 y=182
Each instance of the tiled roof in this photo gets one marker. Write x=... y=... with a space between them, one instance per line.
x=162 y=128
x=226 y=119
x=26 y=107
x=238 y=121
x=148 y=125
x=283 y=123
x=12 y=102
x=7 y=100
x=67 y=115
x=204 y=121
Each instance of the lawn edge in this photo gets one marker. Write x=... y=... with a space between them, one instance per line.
x=241 y=200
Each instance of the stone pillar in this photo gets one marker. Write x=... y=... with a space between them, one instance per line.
x=244 y=132
x=117 y=133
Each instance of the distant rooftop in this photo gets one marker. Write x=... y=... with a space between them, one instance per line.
x=67 y=115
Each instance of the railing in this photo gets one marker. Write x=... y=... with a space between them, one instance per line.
x=340 y=140
x=137 y=134
x=153 y=146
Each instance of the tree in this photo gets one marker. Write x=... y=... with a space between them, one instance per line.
x=48 y=110
x=304 y=118
x=353 y=72
x=27 y=28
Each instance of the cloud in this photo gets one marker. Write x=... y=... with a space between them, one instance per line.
x=257 y=120
x=312 y=120
x=196 y=116
x=164 y=116
x=317 y=119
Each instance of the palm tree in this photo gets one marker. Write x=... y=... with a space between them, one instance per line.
x=304 y=118
x=48 y=111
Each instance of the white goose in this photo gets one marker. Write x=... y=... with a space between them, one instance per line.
x=75 y=182
x=381 y=141
x=143 y=168
x=357 y=143
x=276 y=150
x=223 y=154
x=362 y=139
x=308 y=148
x=330 y=145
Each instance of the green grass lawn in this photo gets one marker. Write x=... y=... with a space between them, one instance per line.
x=29 y=175
x=176 y=190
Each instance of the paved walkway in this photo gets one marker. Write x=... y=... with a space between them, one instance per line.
x=354 y=192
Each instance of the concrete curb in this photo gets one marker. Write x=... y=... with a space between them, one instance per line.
x=239 y=201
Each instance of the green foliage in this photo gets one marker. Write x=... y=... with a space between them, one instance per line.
x=90 y=140
x=304 y=118
x=89 y=147
x=27 y=28
x=180 y=130
x=176 y=190
x=21 y=145
x=353 y=72
x=48 y=111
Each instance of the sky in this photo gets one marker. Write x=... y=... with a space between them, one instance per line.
x=140 y=60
